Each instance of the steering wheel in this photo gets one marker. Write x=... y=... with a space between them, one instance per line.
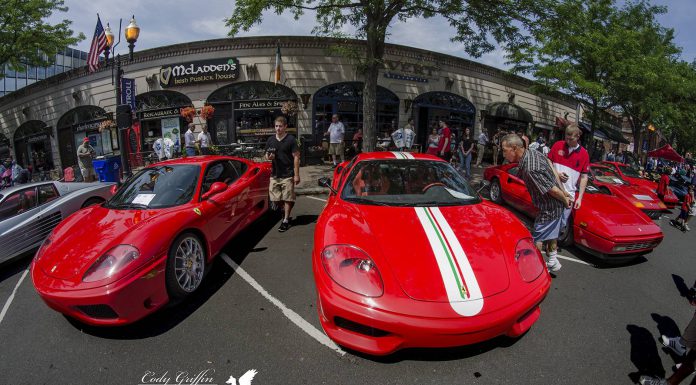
x=433 y=185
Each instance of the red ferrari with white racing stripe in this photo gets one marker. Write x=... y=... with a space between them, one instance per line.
x=153 y=242
x=606 y=225
x=406 y=254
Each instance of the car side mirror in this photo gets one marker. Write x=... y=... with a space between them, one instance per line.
x=215 y=189
x=326 y=182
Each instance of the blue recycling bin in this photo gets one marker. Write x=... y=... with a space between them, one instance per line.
x=108 y=169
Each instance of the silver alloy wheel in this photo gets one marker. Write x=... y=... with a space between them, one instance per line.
x=189 y=264
x=495 y=192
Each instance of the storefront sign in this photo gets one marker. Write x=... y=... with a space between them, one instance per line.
x=156 y=114
x=128 y=92
x=394 y=66
x=259 y=105
x=92 y=125
x=418 y=79
x=185 y=74
x=264 y=131
x=38 y=138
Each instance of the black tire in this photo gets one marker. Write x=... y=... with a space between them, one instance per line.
x=565 y=238
x=495 y=192
x=185 y=270
x=92 y=201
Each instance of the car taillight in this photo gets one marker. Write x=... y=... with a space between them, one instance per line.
x=111 y=263
x=529 y=261
x=351 y=268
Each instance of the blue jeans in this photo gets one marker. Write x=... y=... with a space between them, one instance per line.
x=465 y=163
x=190 y=151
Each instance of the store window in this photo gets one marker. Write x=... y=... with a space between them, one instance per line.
x=345 y=99
x=244 y=112
x=84 y=122
x=431 y=107
x=159 y=116
x=33 y=145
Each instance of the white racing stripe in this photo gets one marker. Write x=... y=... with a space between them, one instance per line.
x=463 y=291
x=9 y=300
x=291 y=315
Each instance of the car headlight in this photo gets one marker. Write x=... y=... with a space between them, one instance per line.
x=111 y=263
x=529 y=261
x=351 y=268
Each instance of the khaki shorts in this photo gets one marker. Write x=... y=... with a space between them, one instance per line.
x=336 y=148
x=282 y=189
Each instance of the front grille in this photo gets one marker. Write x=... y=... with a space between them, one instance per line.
x=98 y=311
x=636 y=246
x=359 y=328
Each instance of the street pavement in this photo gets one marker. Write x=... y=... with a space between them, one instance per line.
x=598 y=325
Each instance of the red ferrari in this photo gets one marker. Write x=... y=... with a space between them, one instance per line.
x=606 y=226
x=115 y=263
x=639 y=196
x=630 y=175
x=406 y=254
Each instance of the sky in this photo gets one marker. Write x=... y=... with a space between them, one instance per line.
x=165 y=22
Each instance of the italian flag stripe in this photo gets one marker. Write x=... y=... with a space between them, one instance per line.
x=448 y=251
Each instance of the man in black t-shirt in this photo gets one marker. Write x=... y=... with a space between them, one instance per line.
x=282 y=150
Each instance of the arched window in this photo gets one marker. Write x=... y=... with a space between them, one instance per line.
x=33 y=145
x=245 y=111
x=346 y=100
x=81 y=122
x=431 y=107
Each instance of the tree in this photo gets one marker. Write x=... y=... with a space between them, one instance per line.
x=591 y=49
x=26 y=39
x=475 y=22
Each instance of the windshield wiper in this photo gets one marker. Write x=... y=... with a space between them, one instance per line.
x=138 y=206
x=367 y=201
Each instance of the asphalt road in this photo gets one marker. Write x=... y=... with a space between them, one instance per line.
x=599 y=325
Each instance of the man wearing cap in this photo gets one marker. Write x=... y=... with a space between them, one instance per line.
x=85 y=154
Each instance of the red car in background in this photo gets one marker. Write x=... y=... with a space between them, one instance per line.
x=630 y=175
x=606 y=225
x=152 y=242
x=406 y=254
x=639 y=196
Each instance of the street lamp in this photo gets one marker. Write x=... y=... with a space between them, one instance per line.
x=123 y=111
x=132 y=33
x=109 y=42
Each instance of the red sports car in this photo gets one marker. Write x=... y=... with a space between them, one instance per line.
x=630 y=175
x=406 y=254
x=152 y=242
x=639 y=196
x=606 y=226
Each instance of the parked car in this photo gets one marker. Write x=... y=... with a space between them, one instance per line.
x=632 y=176
x=407 y=254
x=606 y=226
x=152 y=242
x=641 y=197
x=29 y=212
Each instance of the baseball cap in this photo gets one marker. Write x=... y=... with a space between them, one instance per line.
x=86 y=139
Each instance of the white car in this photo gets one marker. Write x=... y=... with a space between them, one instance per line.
x=29 y=212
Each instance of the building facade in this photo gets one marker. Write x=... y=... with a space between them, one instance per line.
x=236 y=77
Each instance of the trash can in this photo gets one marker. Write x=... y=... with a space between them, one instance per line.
x=108 y=169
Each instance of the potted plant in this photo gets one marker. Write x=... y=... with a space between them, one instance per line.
x=207 y=112
x=289 y=108
x=188 y=113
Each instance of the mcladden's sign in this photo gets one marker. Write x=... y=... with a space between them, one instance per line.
x=213 y=70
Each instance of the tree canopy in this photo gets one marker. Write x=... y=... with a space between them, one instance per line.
x=26 y=38
x=477 y=25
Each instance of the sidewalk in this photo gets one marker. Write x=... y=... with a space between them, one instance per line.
x=309 y=175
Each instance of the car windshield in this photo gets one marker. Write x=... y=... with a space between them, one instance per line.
x=157 y=187
x=629 y=172
x=607 y=175
x=407 y=183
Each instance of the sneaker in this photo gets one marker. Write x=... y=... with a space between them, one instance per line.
x=673 y=344
x=649 y=380
x=284 y=226
x=553 y=264
x=687 y=227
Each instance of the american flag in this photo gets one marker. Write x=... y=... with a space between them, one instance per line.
x=97 y=47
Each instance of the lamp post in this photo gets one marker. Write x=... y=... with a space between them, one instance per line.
x=123 y=112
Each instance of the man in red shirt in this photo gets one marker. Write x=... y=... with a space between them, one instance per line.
x=572 y=164
x=444 y=148
x=687 y=211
